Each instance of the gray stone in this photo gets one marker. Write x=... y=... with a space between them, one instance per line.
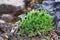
x=2 y=21
x=21 y=16
x=57 y=0
x=7 y=17
x=13 y=2
x=5 y=27
x=49 y=5
x=7 y=9
x=4 y=35
x=1 y=38
x=58 y=26
x=58 y=15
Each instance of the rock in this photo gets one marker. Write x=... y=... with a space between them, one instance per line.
x=48 y=6
x=14 y=7
x=20 y=4
x=57 y=5
x=6 y=30
x=10 y=9
x=7 y=17
x=13 y=2
x=5 y=27
x=57 y=0
x=21 y=16
x=7 y=9
x=57 y=15
x=4 y=35
x=2 y=21
x=1 y=38
x=58 y=26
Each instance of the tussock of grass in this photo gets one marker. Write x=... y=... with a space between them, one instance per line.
x=35 y=23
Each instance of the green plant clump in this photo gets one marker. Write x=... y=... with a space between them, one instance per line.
x=36 y=22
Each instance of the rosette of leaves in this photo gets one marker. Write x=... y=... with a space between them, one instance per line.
x=35 y=23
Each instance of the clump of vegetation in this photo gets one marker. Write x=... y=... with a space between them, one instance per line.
x=36 y=22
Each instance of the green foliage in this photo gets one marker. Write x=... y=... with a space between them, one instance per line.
x=35 y=23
